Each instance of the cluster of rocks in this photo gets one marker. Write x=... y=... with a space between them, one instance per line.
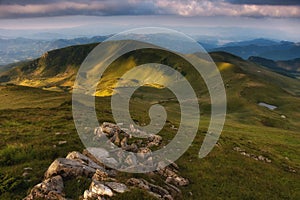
x=253 y=156
x=291 y=169
x=105 y=181
x=139 y=150
x=120 y=136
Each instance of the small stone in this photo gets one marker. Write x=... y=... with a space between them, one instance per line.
x=177 y=180
x=98 y=132
x=88 y=195
x=61 y=133
x=117 y=187
x=25 y=174
x=238 y=149
x=138 y=183
x=124 y=142
x=28 y=169
x=131 y=160
x=154 y=140
x=261 y=158
x=100 y=189
x=132 y=148
x=291 y=169
x=143 y=153
x=100 y=175
x=62 y=142
x=167 y=197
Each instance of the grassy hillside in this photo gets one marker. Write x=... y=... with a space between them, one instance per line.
x=55 y=70
x=286 y=67
x=34 y=121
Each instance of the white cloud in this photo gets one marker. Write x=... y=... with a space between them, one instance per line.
x=134 y=7
x=222 y=8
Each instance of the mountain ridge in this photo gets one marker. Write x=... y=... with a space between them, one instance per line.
x=56 y=69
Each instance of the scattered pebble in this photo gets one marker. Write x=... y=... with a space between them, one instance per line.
x=61 y=133
x=253 y=156
x=62 y=142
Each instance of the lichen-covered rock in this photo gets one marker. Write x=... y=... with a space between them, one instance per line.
x=100 y=190
x=51 y=188
x=98 y=163
x=75 y=155
x=177 y=180
x=117 y=187
x=172 y=176
x=102 y=155
x=101 y=176
x=154 y=140
x=69 y=168
x=139 y=183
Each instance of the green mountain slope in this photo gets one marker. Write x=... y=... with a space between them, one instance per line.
x=286 y=67
x=34 y=121
x=55 y=70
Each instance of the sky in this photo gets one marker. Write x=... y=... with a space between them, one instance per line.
x=226 y=19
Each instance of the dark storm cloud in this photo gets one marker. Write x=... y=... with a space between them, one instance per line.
x=30 y=8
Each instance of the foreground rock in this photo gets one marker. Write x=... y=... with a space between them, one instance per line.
x=105 y=181
x=50 y=188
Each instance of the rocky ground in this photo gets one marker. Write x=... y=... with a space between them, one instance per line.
x=105 y=181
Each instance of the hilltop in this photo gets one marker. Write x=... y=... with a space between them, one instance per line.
x=257 y=156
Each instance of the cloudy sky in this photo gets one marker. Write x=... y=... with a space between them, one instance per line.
x=270 y=18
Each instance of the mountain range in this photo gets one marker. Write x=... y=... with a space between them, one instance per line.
x=18 y=49
x=286 y=67
x=267 y=49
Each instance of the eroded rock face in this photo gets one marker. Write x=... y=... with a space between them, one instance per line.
x=50 y=188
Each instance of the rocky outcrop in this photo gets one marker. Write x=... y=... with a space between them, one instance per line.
x=138 y=150
x=105 y=181
x=50 y=188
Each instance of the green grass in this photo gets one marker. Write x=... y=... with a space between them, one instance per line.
x=30 y=117
x=28 y=139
